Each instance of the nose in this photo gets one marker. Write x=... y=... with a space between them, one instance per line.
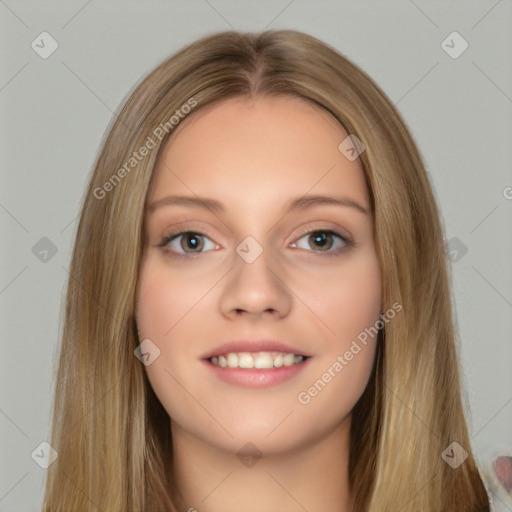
x=254 y=288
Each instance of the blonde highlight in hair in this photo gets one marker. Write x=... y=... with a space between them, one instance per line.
x=109 y=429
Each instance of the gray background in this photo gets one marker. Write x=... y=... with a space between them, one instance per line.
x=55 y=111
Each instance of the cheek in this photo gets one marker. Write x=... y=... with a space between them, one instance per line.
x=156 y=304
x=357 y=302
x=346 y=301
x=166 y=305
x=164 y=299
x=349 y=304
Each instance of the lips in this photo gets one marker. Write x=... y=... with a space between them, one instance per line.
x=239 y=346
x=255 y=377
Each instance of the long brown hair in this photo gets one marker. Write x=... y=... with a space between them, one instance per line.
x=111 y=433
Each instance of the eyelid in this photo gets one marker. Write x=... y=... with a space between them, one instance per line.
x=347 y=238
x=347 y=243
x=166 y=239
x=172 y=231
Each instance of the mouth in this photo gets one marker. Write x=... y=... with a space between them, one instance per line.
x=257 y=360
x=256 y=369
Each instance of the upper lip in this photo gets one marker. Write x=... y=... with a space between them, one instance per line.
x=253 y=346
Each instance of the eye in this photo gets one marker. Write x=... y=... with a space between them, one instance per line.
x=324 y=240
x=183 y=243
x=189 y=242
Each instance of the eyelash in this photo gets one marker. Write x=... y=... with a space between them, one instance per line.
x=336 y=252
x=347 y=241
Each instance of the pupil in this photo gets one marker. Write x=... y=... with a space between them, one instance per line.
x=320 y=239
x=192 y=241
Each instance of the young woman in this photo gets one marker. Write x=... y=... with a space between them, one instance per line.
x=258 y=314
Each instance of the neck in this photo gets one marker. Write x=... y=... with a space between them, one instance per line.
x=312 y=477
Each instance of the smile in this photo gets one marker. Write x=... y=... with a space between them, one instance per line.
x=256 y=360
x=256 y=369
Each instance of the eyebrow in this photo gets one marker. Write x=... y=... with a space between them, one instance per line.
x=299 y=203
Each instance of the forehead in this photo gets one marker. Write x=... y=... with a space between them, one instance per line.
x=249 y=150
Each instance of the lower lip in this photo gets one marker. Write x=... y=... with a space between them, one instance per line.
x=256 y=377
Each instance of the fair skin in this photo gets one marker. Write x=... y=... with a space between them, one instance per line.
x=255 y=156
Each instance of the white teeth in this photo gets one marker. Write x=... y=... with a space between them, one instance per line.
x=256 y=360
x=289 y=359
x=264 y=361
x=232 y=360
x=245 y=361
x=278 y=361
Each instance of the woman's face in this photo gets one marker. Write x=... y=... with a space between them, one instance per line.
x=263 y=262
